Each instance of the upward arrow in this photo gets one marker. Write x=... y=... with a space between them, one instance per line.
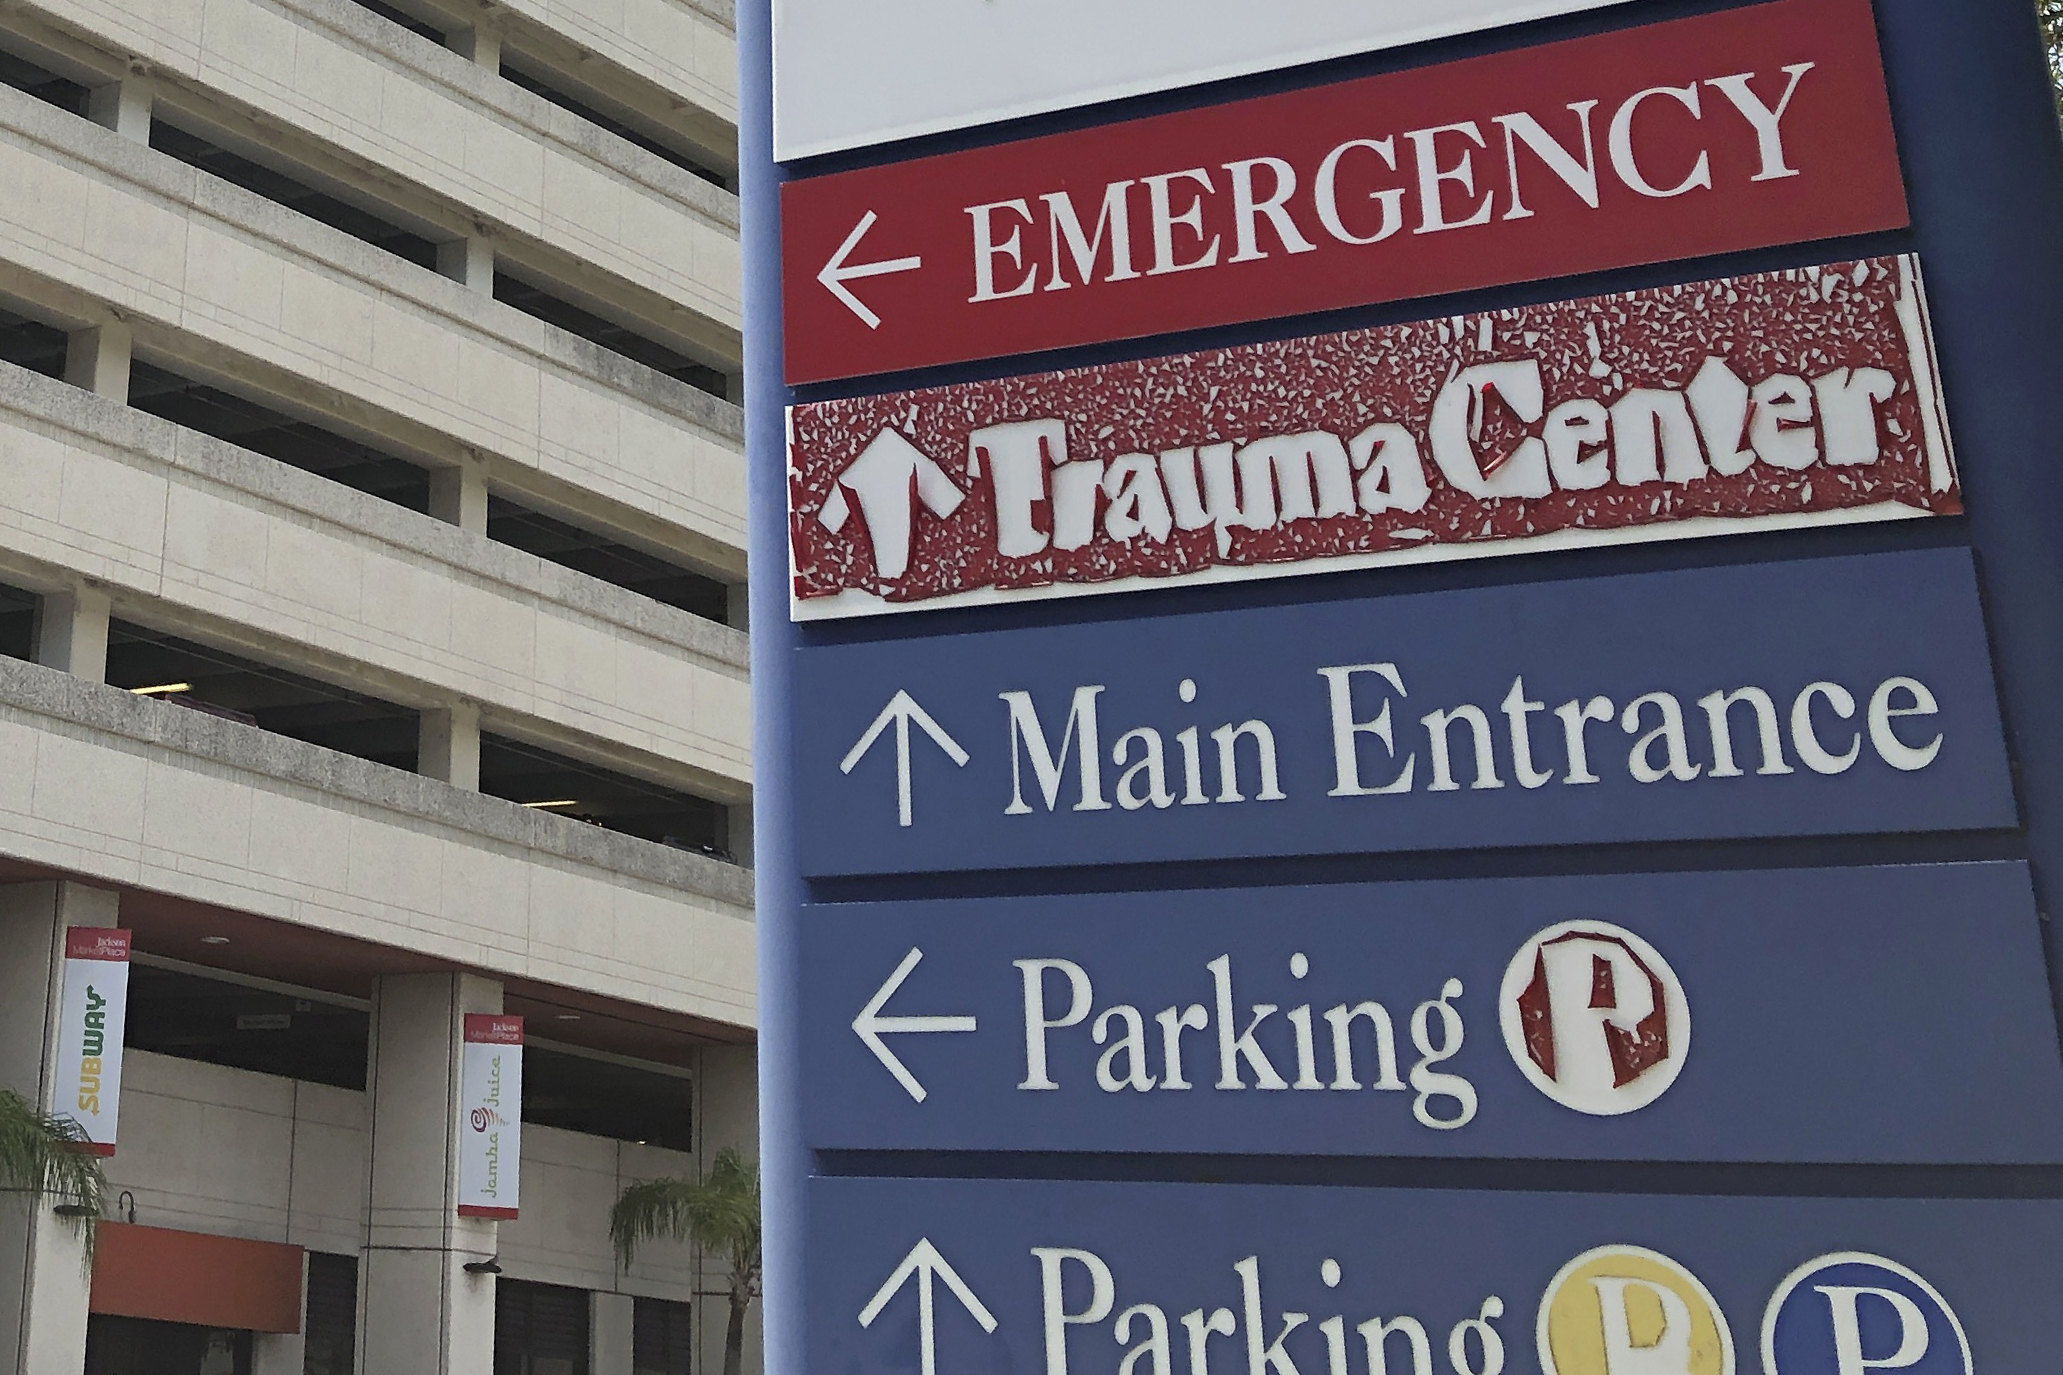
x=927 y=1264
x=901 y=710
x=889 y=477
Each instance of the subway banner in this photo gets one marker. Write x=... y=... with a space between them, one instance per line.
x=490 y=1117
x=89 y=1038
x=1784 y=399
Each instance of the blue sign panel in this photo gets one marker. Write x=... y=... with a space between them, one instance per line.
x=1142 y=1279
x=1835 y=696
x=1865 y=1015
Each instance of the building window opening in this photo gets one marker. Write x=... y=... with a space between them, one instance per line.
x=44 y=85
x=276 y=186
x=32 y=344
x=259 y=428
x=661 y=1337
x=267 y=1029
x=616 y=802
x=539 y=85
x=405 y=20
x=18 y=612
x=534 y=300
x=203 y=678
x=141 y=1346
x=329 y=1326
x=612 y=562
x=581 y=1093
x=539 y=1329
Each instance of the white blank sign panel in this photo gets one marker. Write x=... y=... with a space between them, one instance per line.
x=849 y=73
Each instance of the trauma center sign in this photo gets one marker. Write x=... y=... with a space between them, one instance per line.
x=1741 y=129
x=1792 y=398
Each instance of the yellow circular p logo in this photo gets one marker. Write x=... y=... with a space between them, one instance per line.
x=1624 y=1310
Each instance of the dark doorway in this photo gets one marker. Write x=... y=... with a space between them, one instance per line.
x=137 y=1346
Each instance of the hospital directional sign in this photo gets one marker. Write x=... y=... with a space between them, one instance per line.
x=1830 y=697
x=1754 y=1016
x=1405 y=663
x=1727 y=131
x=1148 y=1279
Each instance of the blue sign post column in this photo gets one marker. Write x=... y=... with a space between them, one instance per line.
x=1507 y=832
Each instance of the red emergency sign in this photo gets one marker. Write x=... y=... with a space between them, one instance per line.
x=1743 y=129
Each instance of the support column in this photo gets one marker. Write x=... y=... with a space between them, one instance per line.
x=480 y=44
x=448 y=745
x=97 y=359
x=44 y=1279
x=71 y=632
x=123 y=106
x=458 y=495
x=611 y=1334
x=418 y=1309
x=738 y=832
x=727 y=1099
x=470 y=261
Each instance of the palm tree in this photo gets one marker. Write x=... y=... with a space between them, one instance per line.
x=720 y=1215
x=41 y=1156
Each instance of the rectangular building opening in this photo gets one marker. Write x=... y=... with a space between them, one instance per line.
x=661 y=1337
x=202 y=678
x=405 y=20
x=44 y=85
x=535 y=81
x=601 y=557
x=578 y=1093
x=19 y=612
x=197 y=151
x=250 y=425
x=141 y=1346
x=553 y=309
x=292 y=1035
x=329 y=1325
x=31 y=344
x=539 y=1329
x=551 y=782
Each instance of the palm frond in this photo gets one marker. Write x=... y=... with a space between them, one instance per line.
x=720 y=1214
x=41 y=1156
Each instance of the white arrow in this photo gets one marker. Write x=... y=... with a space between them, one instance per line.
x=872 y=1026
x=836 y=273
x=903 y=709
x=884 y=477
x=925 y=1263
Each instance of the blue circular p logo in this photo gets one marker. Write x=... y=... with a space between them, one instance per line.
x=1852 y=1313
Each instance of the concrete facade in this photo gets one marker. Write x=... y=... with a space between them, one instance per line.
x=490 y=246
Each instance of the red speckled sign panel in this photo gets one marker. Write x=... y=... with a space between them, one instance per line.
x=1759 y=125
x=1800 y=397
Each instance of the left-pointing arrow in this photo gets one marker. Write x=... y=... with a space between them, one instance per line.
x=901 y=710
x=837 y=272
x=871 y=1026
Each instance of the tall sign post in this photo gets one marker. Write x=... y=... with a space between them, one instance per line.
x=1404 y=661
